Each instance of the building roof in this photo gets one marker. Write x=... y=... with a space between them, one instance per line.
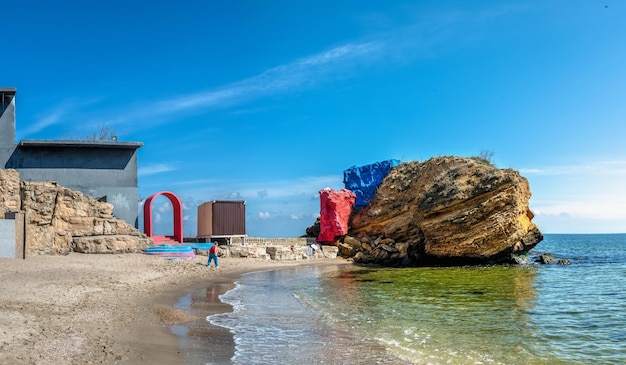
x=79 y=144
x=7 y=90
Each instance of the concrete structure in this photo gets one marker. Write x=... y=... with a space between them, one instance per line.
x=105 y=170
x=13 y=235
x=7 y=124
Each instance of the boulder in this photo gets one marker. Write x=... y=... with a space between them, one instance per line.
x=327 y=252
x=251 y=251
x=549 y=259
x=335 y=208
x=447 y=211
x=281 y=253
x=314 y=230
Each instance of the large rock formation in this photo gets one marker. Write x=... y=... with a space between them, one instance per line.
x=60 y=220
x=447 y=210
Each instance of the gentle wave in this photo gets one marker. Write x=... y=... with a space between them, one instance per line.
x=548 y=314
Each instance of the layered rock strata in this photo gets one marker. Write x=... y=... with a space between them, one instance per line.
x=447 y=210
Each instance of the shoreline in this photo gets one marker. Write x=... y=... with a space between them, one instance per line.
x=201 y=341
x=108 y=309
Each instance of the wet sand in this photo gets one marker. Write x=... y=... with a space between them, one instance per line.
x=117 y=309
x=201 y=342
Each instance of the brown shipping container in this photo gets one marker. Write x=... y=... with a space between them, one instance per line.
x=222 y=218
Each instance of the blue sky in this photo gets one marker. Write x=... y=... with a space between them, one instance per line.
x=269 y=101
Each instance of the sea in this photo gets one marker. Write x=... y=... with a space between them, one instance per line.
x=538 y=314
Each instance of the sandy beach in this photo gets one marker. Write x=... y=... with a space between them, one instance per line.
x=106 y=309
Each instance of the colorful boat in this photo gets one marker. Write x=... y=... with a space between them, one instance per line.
x=171 y=251
x=202 y=246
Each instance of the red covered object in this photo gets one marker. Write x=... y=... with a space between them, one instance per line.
x=335 y=208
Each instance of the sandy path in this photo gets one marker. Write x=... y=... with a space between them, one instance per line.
x=102 y=309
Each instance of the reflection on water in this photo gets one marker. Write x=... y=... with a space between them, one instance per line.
x=271 y=325
x=452 y=315
x=492 y=315
x=471 y=315
x=200 y=342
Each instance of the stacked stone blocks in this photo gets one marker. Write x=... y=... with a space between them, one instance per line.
x=60 y=220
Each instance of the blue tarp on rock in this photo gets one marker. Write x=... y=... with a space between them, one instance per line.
x=364 y=180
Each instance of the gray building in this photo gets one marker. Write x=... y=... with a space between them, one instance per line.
x=104 y=170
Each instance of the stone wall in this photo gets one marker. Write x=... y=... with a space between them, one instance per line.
x=277 y=252
x=296 y=241
x=9 y=191
x=60 y=220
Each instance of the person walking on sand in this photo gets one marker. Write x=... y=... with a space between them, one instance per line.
x=212 y=255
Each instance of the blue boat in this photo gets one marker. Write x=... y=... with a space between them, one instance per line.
x=169 y=251
x=202 y=246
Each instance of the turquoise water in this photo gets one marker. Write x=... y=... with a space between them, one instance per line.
x=546 y=314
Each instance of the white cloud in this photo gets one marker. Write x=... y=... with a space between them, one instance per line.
x=592 y=191
x=196 y=182
x=260 y=189
x=48 y=120
x=615 y=167
x=165 y=207
x=284 y=78
x=154 y=169
x=339 y=62
x=566 y=223
x=592 y=207
x=60 y=114
x=186 y=205
x=298 y=74
x=232 y=195
x=289 y=203
x=587 y=197
x=280 y=189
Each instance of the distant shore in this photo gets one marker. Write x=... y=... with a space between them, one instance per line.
x=106 y=309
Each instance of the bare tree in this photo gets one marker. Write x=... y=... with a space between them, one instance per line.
x=103 y=133
x=485 y=156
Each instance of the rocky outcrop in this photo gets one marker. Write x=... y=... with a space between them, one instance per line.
x=60 y=220
x=314 y=230
x=549 y=259
x=335 y=208
x=447 y=210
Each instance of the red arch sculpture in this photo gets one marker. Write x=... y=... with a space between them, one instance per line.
x=178 y=216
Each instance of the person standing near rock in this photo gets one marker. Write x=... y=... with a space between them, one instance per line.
x=213 y=255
